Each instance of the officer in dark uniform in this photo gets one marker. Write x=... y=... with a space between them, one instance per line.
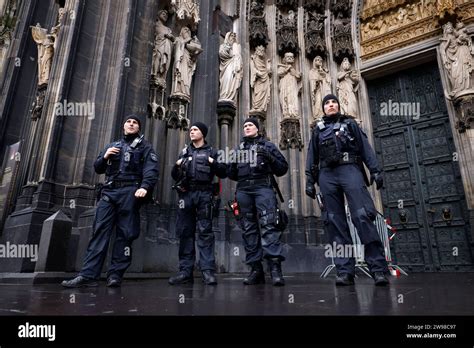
x=335 y=155
x=131 y=168
x=194 y=173
x=257 y=202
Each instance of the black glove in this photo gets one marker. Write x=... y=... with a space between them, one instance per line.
x=377 y=177
x=315 y=173
x=265 y=154
x=310 y=190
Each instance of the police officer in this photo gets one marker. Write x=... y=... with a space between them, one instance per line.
x=195 y=172
x=131 y=168
x=257 y=202
x=335 y=155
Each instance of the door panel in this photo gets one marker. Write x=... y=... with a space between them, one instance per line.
x=423 y=193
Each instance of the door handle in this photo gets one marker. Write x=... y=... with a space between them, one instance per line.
x=446 y=214
x=403 y=216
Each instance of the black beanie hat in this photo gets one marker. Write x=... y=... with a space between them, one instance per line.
x=253 y=120
x=202 y=127
x=330 y=96
x=134 y=117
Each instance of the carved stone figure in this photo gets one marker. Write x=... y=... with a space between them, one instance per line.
x=458 y=57
x=289 y=86
x=57 y=27
x=187 y=49
x=162 y=50
x=348 y=85
x=186 y=9
x=230 y=68
x=260 y=82
x=320 y=86
x=45 y=44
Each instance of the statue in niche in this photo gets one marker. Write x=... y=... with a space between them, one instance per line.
x=458 y=57
x=320 y=86
x=162 y=51
x=289 y=86
x=260 y=82
x=57 y=27
x=45 y=44
x=187 y=48
x=230 y=68
x=348 y=85
x=186 y=9
x=257 y=10
x=290 y=20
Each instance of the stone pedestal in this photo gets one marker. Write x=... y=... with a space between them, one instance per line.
x=54 y=243
x=290 y=134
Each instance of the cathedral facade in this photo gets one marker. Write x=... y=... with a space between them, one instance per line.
x=71 y=70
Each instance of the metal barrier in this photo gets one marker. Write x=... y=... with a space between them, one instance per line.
x=383 y=229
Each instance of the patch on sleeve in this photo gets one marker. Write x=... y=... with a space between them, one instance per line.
x=154 y=157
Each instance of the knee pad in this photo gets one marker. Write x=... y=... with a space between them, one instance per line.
x=249 y=217
x=267 y=217
x=364 y=212
x=204 y=213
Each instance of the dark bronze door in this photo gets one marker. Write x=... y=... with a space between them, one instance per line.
x=423 y=194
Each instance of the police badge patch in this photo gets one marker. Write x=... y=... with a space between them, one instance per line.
x=154 y=157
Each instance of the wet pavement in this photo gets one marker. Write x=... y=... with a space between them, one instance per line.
x=305 y=294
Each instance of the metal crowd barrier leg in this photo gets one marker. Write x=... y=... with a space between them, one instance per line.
x=382 y=230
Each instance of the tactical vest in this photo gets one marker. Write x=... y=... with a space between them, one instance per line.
x=198 y=168
x=251 y=166
x=128 y=164
x=336 y=143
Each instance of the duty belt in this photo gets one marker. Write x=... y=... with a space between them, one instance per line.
x=341 y=161
x=253 y=182
x=199 y=187
x=121 y=183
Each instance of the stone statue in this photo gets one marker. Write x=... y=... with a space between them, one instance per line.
x=458 y=57
x=289 y=86
x=290 y=20
x=230 y=68
x=320 y=86
x=186 y=9
x=57 y=27
x=45 y=44
x=348 y=84
x=260 y=82
x=162 y=50
x=187 y=48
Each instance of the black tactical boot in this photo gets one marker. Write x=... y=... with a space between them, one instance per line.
x=79 y=282
x=114 y=282
x=380 y=279
x=256 y=276
x=344 y=279
x=275 y=271
x=208 y=277
x=181 y=277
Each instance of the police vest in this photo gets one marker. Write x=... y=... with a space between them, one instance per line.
x=336 y=143
x=249 y=164
x=128 y=164
x=198 y=168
